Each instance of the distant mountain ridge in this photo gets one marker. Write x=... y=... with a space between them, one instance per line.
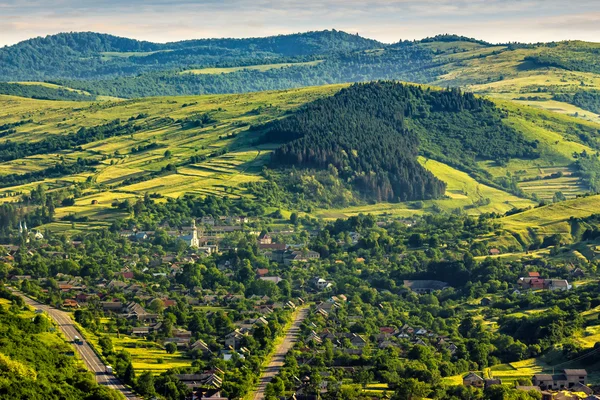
x=92 y=55
x=107 y=65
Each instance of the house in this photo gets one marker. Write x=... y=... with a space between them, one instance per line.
x=179 y=342
x=580 y=387
x=533 y=274
x=577 y=273
x=65 y=287
x=209 y=394
x=322 y=284
x=262 y=272
x=425 y=286
x=568 y=379
x=169 y=303
x=357 y=341
x=421 y=331
x=486 y=301
x=116 y=285
x=196 y=381
x=300 y=256
x=494 y=252
x=234 y=339
x=354 y=237
x=265 y=239
x=17 y=278
x=489 y=382
x=264 y=309
x=126 y=274
x=82 y=297
x=531 y=283
x=111 y=306
x=557 y=284
x=142 y=331
x=207 y=220
x=201 y=346
x=70 y=303
x=140 y=236
x=272 y=246
x=472 y=379
x=274 y=279
x=183 y=334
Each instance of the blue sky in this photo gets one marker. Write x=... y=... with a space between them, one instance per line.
x=385 y=20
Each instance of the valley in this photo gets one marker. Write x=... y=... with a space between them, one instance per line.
x=307 y=216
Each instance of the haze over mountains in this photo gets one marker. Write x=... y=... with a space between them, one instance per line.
x=106 y=65
x=220 y=183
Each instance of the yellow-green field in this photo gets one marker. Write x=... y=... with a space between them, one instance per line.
x=261 y=68
x=232 y=114
x=124 y=173
x=551 y=219
x=145 y=356
x=463 y=192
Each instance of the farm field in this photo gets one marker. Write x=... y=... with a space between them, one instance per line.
x=462 y=192
x=262 y=68
x=123 y=172
x=170 y=157
x=145 y=356
x=551 y=219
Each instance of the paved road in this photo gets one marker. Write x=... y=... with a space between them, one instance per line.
x=291 y=337
x=91 y=359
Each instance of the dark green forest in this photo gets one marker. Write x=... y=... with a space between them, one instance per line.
x=42 y=92
x=82 y=55
x=409 y=62
x=32 y=369
x=372 y=133
x=586 y=99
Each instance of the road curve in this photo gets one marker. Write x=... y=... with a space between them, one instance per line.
x=89 y=357
x=291 y=337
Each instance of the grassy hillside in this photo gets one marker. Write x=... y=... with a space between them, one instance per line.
x=547 y=75
x=202 y=145
x=94 y=55
x=213 y=158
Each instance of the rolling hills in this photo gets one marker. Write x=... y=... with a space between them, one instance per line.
x=94 y=55
x=93 y=133
x=547 y=75
x=216 y=145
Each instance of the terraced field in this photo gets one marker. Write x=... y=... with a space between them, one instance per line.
x=551 y=219
x=124 y=172
x=173 y=157
x=262 y=68
x=463 y=192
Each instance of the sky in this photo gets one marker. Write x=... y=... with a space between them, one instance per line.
x=385 y=20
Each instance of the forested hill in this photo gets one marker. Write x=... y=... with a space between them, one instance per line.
x=410 y=62
x=94 y=55
x=372 y=134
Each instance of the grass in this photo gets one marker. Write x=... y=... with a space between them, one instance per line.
x=242 y=163
x=222 y=175
x=261 y=68
x=508 y=373
x=145 y=355
x=463 y=192
x=589 y=337
x=551 y=219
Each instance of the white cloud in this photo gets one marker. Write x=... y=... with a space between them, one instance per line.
x=386 y=20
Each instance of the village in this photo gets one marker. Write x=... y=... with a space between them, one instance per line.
x=204 y=307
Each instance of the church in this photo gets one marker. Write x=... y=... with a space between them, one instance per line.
x=191 y=235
